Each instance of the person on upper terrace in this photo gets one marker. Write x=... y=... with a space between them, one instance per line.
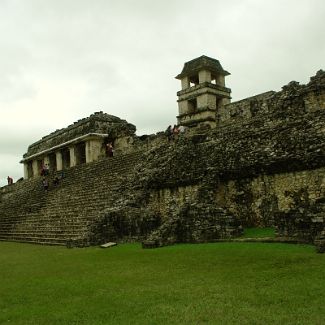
x=169 y=133
x=175 y=131
x=181 y=129
x=110 y=149
x=45 y=170
x=10 y=180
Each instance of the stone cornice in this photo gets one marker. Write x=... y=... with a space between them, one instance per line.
x=203 y=85
x=197 y=111
x=64 y=144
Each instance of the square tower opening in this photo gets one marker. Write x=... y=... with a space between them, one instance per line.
x=192 y=105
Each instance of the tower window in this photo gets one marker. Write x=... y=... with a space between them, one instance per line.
x=194 y=80
x=192 y=105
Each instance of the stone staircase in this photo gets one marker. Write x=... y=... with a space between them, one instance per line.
x=66 y=213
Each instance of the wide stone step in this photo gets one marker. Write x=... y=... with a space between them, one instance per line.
x=44 y=226
x=56 y=234
x=51 y=236
x=38 y=238
x=74 y=225
x=73 y=219
x=50 y=243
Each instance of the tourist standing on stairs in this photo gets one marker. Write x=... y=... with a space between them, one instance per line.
x=110 y=149
x=181 y=129
x=46 y=169
x=169 y=133
x=56 y=181
x=45 y=184
x=175 y=132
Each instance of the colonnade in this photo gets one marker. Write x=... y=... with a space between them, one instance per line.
x=64 y=156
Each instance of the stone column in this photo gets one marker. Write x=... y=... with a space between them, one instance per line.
x=93 y=150
x=26 y=174
x=220 y=80
x=59 y=163
x=73 y=160
x=204 y=76
x=185 y=83
x=36 y=171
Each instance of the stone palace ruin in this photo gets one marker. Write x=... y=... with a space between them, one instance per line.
x=256 y=162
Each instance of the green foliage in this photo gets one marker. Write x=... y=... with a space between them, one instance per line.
x=259 y=232
x=225 y=283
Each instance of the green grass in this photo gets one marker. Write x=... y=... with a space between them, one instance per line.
x=258 y=232
x=224 y=283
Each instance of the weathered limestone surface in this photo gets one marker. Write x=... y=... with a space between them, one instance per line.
x=258 y=171
x=294 y=99
x=264 y=164
x=262 y=169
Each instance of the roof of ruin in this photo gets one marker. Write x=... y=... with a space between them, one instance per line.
x=97 y=123
x=201 y=63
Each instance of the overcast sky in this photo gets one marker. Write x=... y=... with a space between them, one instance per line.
x=61 y=60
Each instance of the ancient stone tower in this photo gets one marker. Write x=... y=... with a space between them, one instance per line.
x=203 y=92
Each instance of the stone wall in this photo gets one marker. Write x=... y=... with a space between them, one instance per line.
x=257 y=201
x=293 y=99
x=242 y=110
x=265 y=168
x=161 y=200
x=259 y=170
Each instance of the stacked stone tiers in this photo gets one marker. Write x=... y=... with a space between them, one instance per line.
x=265 y=168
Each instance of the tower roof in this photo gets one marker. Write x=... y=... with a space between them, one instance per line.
x=201 y=63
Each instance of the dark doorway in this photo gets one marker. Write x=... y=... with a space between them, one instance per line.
x=30 y=172
x=192 y=105
x=65 y=158
x=52 y=160
x=40 y=164
x=80 y=150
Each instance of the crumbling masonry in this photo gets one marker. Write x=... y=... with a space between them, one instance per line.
x=256 y=162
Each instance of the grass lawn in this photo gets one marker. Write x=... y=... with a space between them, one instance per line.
x=258 y=232
x=224 y=283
